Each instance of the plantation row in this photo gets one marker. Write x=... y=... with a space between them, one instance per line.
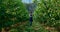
x=47 y=12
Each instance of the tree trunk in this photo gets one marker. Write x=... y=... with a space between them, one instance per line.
x=7 y=29
x=3 y=30
x=0 y=29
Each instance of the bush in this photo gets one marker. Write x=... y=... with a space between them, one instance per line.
x=48 y=12
x=11 y=12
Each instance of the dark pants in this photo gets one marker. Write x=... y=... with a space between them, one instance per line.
x=31 y=19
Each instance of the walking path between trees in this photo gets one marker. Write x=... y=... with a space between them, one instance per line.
x=35 y=27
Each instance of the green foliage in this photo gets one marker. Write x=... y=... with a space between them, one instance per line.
x=14 y=11
x=48 y=12
x=11 y=12
x=14 y=30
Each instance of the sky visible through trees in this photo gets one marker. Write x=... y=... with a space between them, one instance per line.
x=27 y=1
